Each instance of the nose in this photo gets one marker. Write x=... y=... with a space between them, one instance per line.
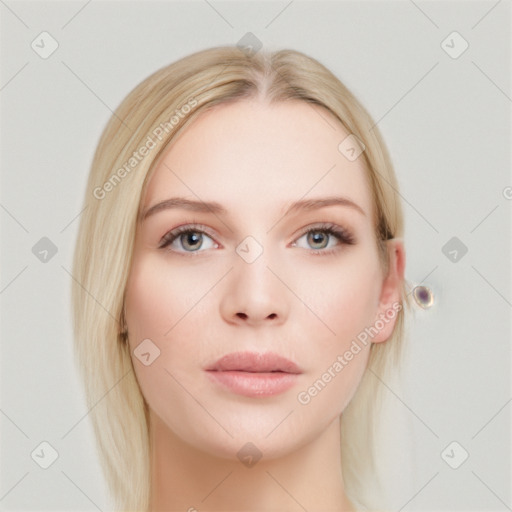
x=253 y=295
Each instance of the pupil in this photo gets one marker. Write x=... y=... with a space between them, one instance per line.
x=191 y=240
x=317 y=237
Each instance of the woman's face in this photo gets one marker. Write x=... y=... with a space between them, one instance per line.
x=246 y=277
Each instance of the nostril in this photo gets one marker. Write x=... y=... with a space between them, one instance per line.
x=272 y=316
x=242 y=315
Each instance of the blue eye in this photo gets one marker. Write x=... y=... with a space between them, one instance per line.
x=320 y=239
x=325 y=238
x=187 y=239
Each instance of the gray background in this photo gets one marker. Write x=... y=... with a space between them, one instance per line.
x=447 y=125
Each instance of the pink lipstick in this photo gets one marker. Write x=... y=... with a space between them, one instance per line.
x=254 y=375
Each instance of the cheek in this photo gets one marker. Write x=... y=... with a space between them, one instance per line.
x=162 y=305
x=343 y=297
x=156 y=300
x=159 y=297
x=169 y=303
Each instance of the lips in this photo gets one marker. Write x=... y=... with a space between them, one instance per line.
x=254 y=375
x=255 y=363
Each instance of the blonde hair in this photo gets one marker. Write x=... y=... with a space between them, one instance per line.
x=164 y=104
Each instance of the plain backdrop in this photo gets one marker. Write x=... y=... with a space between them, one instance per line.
x=445 y=116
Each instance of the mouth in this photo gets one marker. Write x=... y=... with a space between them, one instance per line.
x=254 y=375
x=253 y=362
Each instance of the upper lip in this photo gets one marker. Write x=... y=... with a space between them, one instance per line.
x=254 y=362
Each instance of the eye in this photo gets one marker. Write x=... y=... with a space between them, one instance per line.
x=187 y=239
x=192 y=238
x=324 y=238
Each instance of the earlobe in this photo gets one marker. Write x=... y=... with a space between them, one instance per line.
x=390 y=301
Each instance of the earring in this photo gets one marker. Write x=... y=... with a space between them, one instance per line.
x=423 y=296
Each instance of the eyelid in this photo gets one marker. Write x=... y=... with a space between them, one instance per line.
x=175 y=232
x=342 y=234
x=327 y=226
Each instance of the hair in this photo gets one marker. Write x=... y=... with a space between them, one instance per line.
x=152 y=115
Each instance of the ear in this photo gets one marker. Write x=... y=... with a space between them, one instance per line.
x=390 y=295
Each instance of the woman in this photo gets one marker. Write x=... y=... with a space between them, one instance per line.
x=239 y=285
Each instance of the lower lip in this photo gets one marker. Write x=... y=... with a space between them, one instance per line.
x=255 y=384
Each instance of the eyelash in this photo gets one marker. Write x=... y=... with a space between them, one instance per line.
x=341 y=234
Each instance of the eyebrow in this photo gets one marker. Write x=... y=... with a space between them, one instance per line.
x=218 y=209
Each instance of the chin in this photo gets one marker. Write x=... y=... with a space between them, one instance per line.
x=247 y=448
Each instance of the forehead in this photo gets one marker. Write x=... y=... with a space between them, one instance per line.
x=252 y=155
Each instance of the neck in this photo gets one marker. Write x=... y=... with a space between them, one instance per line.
x=186 y=479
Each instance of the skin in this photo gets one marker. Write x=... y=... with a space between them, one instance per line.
x=294 y=299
